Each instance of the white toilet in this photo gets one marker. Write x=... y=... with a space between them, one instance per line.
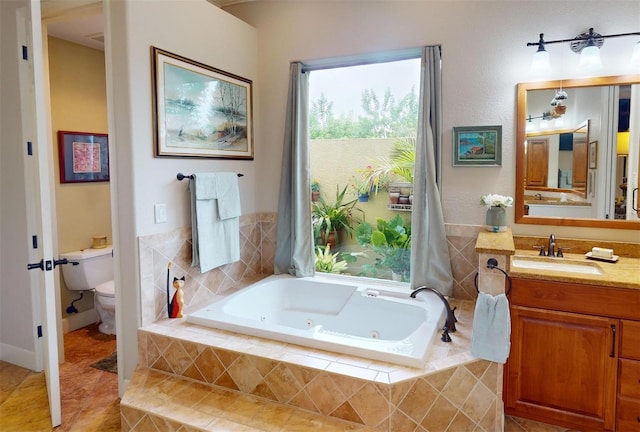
x=94 y=273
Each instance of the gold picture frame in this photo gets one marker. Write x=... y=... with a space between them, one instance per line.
x=198 y=110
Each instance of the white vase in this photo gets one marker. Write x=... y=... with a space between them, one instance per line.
x=496 y=220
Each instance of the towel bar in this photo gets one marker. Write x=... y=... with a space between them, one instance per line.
x=181 y=176
x=492 y=263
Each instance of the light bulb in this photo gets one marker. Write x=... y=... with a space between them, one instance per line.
x=590 y=57
x=541 y=63
x=530 y=126
x=635 y=57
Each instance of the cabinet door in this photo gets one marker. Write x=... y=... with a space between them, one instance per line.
x=580 y=165
x=537 y=162
x=562 y=368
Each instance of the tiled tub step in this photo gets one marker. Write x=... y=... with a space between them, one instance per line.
x=454 y=391
x=157 y=401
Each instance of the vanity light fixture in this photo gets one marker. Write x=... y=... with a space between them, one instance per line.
x=586 y=44
x=589 y=49
x=541 y=61
x=635 y=57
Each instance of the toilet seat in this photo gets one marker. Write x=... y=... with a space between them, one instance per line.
x=106 y=289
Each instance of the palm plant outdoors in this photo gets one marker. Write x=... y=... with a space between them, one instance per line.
x=399 y=164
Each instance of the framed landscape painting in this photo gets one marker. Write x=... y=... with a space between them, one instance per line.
x=477 y=146
x=198 y=110
x=83 y=157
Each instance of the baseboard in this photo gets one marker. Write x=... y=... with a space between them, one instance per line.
x=79 y=320
x=18 y=356
x=125 y=384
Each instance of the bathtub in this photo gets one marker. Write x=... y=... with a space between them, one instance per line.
x=355 y=316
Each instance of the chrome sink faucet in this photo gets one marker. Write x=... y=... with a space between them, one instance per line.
x=551 y=249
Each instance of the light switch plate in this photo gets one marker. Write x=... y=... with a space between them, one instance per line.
x=160 y=211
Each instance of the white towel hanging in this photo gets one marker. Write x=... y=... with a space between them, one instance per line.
x=215 y=240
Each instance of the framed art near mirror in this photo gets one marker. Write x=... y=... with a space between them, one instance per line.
x=571 y=169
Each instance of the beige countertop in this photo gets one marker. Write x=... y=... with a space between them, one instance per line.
x=495 y=243
x=625 y=273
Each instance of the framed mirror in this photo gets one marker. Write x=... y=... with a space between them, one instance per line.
x=567 y=156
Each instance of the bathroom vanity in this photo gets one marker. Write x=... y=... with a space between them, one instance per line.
x=575 y=346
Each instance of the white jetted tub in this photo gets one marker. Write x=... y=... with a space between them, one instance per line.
x=355 y=316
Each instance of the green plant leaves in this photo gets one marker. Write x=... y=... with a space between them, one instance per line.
x=334 y=216
x=391 y=240
x=327 y=262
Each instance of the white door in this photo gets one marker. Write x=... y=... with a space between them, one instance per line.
x=37 y=175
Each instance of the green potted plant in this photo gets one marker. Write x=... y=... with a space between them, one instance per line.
x=327 y=262
x=315 y=190
x=391 y=240
x=362 y=186
x=331 y=220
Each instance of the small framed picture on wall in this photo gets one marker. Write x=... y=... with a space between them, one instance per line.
x=83 y=157
x=477 y=146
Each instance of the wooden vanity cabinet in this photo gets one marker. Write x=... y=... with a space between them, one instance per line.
x=628 y=403
x=566 y=341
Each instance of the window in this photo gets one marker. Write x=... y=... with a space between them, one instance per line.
x=362 y=125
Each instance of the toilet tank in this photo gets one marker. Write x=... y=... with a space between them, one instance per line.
x=95 y=267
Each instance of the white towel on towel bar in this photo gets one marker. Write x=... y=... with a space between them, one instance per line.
x=491 y=332
x=228 y=196
x=215 y=224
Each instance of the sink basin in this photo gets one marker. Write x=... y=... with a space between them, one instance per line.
x=555 y=264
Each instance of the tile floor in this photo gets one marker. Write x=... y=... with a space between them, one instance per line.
x=90 y=400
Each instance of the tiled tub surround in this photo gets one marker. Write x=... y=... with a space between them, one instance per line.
x=453 y=392
x=257 y=250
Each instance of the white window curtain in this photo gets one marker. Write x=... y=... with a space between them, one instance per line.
x=294 y=242
x=429 y=252
x=430 y=264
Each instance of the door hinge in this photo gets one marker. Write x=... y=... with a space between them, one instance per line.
x=29 y=148
x=39 y=328
x=25 y=52
x=34 y=241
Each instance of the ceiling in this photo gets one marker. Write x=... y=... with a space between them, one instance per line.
x=78 y=21
x=81 y=21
